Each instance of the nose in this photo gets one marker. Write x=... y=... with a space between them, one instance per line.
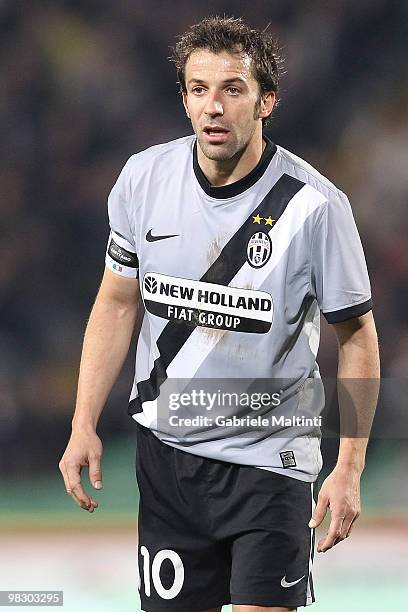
x=213 y=107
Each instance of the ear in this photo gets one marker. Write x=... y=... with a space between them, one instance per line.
x=184 y=96
x=267 y=103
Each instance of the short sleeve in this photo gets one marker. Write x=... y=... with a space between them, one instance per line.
x=339 y=276
x=121 y=256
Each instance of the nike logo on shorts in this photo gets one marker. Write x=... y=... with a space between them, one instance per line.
x=151 y=238
x=290 y=584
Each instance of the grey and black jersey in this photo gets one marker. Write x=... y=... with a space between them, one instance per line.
x=233 y=280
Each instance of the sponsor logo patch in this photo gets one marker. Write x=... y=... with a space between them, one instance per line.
x=288 y=459
x=150 y=284
x=207 y=304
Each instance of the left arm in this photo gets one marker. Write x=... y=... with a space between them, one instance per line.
x=358 y=384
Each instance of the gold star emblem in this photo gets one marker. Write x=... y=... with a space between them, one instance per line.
x=257 y=219
x=269 y=221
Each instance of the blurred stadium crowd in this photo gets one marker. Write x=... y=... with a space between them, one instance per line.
x=86 y=83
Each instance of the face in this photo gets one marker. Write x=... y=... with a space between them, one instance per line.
x=223 y=102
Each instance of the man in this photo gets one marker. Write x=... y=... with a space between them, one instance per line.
x=235 y=245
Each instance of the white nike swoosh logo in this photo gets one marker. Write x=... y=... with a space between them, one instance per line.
x=289 y=584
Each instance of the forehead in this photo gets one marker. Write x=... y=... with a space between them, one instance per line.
x=203 y=63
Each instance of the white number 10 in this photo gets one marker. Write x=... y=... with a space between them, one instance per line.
x=158 y=559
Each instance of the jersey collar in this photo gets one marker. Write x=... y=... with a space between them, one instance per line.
x=234 y=189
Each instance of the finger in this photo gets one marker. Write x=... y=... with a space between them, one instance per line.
x=95 y=472
x=71 y=477
x=319 y=512
x=91 y=507
x=81 y=504
x=94 y=503
x=351 y=525
x=333 y=535
x=73 y=471
x=63 y=471
x=81 y=496
x=345 y=528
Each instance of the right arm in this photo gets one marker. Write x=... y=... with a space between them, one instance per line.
x=106 y=344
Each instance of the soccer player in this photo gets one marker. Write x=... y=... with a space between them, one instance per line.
x=230 y=246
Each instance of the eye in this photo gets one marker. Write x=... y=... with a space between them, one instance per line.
x=198 y=90
x=233 y=90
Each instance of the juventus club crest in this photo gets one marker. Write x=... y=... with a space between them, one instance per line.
x=259 y=249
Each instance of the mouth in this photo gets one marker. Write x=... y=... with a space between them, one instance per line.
x=215 y=133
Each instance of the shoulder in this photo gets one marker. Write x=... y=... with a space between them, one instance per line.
x=148 y=158
x=300 y=169
x=151 y=165
x=163 y=159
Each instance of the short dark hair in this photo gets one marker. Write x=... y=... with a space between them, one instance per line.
x=231 y=34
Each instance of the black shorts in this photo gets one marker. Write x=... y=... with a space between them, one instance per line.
x=214 y=533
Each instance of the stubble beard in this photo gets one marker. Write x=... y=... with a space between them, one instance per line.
x=220 y=152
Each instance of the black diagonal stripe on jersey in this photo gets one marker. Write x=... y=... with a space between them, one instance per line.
x=222 y=271
x=233 y=255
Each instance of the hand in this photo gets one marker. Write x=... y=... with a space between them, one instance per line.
x=84 y=448
x=340 y=493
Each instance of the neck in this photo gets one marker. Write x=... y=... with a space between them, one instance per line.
x=221 y=173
